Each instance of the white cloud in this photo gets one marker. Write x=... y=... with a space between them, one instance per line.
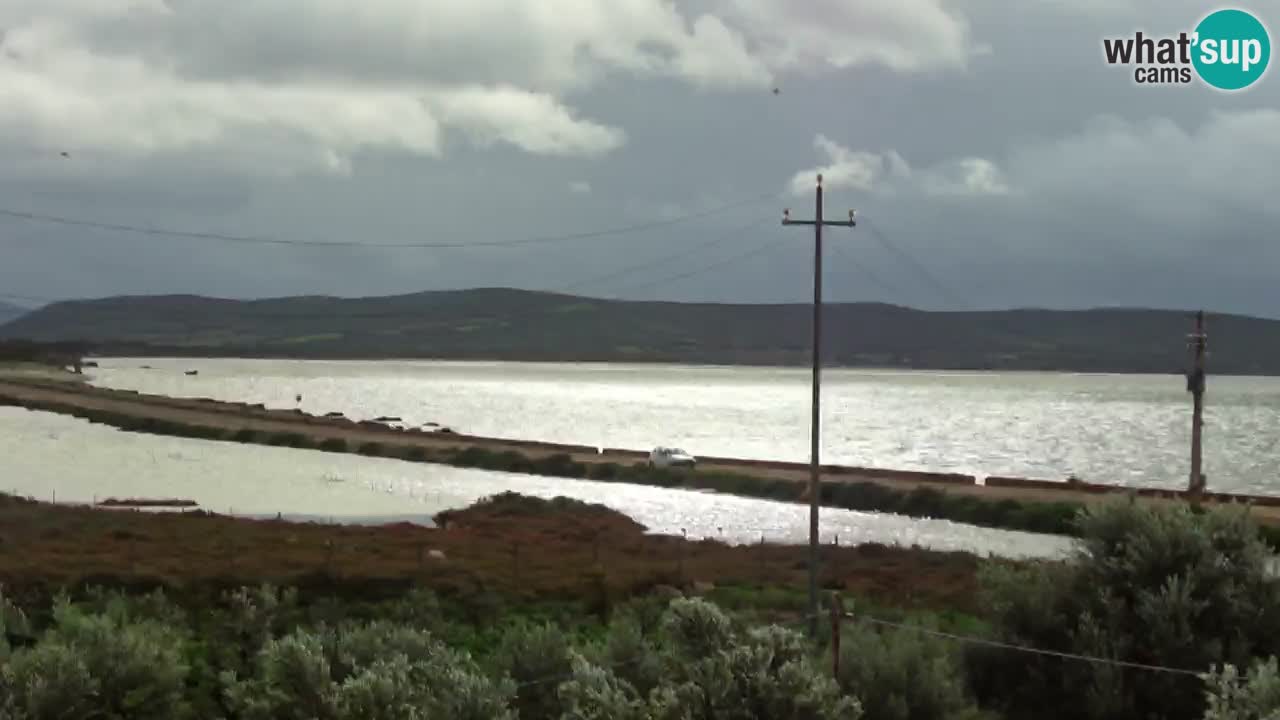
x=844 y=169
x=903 y=35
x=1155 y=169
x=966 y=176
x=1159 y=171
x=309 y=84
x=536 y=123
x=62 y=85
x=889 y=172
x=580 y=187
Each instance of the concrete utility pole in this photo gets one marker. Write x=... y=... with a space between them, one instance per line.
x=816 y=420
x=1195 y=385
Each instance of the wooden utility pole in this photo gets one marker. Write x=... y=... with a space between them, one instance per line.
x=837 y=614
x=816 y=420
x=1195 y=384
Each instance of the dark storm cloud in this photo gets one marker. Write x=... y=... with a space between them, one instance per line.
x=986 y=141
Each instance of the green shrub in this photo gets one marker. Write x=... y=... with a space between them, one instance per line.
x=1271 y=535
x=47 y=682
x=903 y=675
x=289 y=439
x=473 y=457
x=260 y=654
x=333 y=445
x=512 y=461
x=604 y=471
x=102 y=665
x=559 y=465
x=711 y=667
x=1255 y=697
x=202 y=432
x=13 y=623
x=1157 y=585
x=703 y=669
x=245 y=435
x=528 y=655
x=379 y=671
x=374 y=449
x=416 y=454
x=256 y=615
x=632 y=655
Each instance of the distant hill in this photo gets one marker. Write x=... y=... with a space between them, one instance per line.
x=519 y=325
x=9 y=313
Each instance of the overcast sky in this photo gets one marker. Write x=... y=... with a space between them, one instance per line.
x=994 y=159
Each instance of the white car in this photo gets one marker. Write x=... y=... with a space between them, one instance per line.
x=671 y=457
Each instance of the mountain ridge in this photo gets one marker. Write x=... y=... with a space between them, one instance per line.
x=512 y=324
x=10 y=312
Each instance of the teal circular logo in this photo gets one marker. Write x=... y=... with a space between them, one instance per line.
x=1232 y=49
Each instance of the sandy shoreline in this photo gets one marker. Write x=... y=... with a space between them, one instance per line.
x=44 y=393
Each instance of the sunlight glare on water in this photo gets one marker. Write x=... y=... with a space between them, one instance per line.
x=43 y=455
x=1119 y=429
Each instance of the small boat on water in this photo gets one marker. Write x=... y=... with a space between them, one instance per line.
x=192 y=372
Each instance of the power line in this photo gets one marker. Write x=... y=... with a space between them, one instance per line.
x=863 y=270
x=734 y=233
x=1025 y=649
x=713 y=242
x=755 y=250
x=940 y=287
x=263 y=240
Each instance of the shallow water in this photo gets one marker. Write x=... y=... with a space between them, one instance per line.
x=49 y=456
x=1120 y=429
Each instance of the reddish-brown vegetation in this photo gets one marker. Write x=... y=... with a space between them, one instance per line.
x=570 y=551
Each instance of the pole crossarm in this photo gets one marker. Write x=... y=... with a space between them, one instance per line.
x=786 y=219
x=825 y=223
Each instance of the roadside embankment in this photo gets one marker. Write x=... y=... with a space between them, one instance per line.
x=1007 y=503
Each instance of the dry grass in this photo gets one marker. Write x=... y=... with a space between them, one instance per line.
x=588 y=554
